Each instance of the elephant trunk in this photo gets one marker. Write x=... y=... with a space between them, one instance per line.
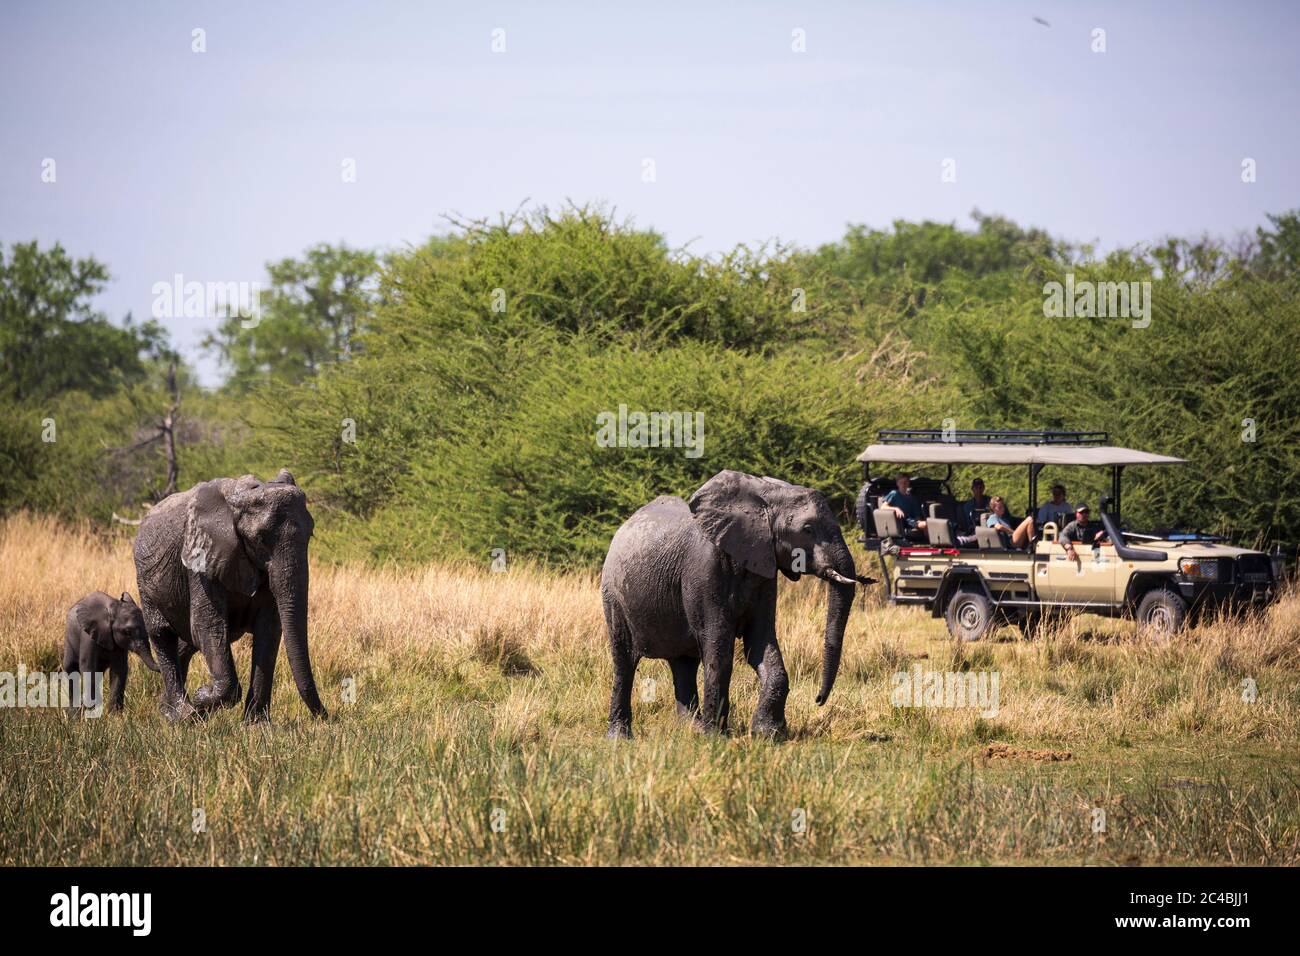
x=840 y=588
x=287 y=577
x=146 y=654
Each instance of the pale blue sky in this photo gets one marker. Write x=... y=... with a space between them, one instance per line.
x=212 y=164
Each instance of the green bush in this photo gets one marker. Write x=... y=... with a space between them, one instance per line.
x=463 y=416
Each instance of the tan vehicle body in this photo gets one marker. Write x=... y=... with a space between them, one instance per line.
x=1096 y=580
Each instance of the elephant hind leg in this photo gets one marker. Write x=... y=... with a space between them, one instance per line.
x=625 y=661
x=184 y=652
x=684 y=686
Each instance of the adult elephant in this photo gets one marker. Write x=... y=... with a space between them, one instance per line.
x=683 y=580
x=226 y=558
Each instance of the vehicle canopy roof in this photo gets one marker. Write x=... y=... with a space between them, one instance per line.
x=1002 y=447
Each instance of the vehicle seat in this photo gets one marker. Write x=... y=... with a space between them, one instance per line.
x=945 y=506
x=939 y=530
x=989 y=539
x=886 y=523
x=1060 y=518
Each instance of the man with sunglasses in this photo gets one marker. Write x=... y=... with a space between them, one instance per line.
x=1081 y=531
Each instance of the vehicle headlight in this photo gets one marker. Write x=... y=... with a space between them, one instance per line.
x=1203 y=569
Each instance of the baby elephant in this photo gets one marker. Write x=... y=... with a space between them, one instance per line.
x=101 y=630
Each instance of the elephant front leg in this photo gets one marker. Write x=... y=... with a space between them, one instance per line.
x=266 y=646
x=118 y=671
x=87 y=667
x=209 y=628
x=718 y=650
x=764 y=655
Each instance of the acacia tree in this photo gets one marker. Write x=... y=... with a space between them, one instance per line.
x=51 y=338
x=312 y=315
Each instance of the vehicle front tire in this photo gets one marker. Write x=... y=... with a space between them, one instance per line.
x=1161 y=614
x=969 y=615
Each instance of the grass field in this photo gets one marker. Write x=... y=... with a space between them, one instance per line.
x=476 y=737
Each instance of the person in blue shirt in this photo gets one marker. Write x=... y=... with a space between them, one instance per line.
x=978 y=502
x=905 y=504
x=1020 y=534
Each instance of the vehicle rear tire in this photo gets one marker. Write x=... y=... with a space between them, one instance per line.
x=1161 y=613
x=969 y=615
x=862 y=511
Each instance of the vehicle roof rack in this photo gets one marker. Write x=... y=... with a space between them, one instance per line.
x=987 y=436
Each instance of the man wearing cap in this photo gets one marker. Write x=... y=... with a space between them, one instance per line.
x=1080 y=531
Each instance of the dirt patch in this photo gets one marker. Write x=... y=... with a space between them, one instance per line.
x=1008 y=752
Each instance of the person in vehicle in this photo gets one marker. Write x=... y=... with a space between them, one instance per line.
x=1019 y=534
x=1081 y=531
x=905 y=504
x=1058 y=509
x=978 y=502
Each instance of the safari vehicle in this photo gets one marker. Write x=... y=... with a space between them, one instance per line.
x=974 y=579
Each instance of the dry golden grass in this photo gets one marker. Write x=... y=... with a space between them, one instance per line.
x=480 y=693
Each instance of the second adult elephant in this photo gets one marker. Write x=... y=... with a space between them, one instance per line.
x=225 y=558
x=683 y=580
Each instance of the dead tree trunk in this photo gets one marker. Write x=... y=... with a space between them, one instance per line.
x=168 y=428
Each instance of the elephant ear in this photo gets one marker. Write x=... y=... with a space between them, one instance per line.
x=96 y=619
x=212 y=547
x=735 y=516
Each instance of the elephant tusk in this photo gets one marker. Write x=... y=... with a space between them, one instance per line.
x=832 y=575
x=866 y=582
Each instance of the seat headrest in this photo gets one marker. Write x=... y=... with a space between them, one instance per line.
x=939 y=531
x=886 y=524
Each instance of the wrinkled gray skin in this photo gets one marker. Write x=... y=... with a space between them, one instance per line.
x=224 y=559
x=682 y=581
x=101 y=629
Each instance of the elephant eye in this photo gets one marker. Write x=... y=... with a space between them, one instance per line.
x=807 y=529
